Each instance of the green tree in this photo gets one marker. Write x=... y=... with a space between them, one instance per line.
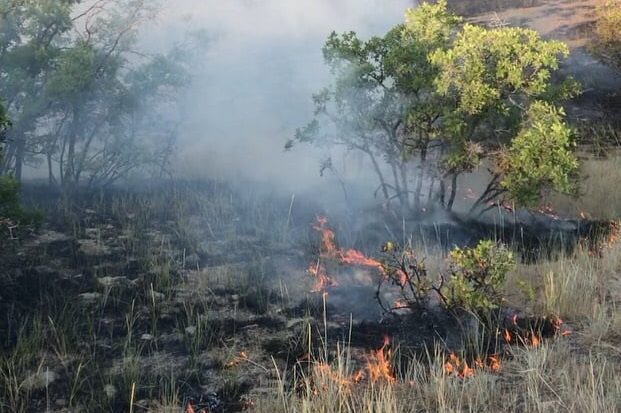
x=493 y=77
x=83 y=99
x=435 y=99
x=382 y=102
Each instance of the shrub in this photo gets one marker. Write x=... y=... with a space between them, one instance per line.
x=477 y=277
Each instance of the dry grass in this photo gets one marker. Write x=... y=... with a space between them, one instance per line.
x=578 y=373
x=551 y=378
x=598 y=197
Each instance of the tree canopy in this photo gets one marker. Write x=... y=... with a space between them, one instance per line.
x=435 y=98
x=80 y=95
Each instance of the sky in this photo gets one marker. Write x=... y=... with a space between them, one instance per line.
x=253 y=84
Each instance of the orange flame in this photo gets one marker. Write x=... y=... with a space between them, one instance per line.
x=329 y=250
x=507 y=336
x=455 y=366
x=378 y=365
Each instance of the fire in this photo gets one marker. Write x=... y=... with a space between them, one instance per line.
x=323 y=280
x=455 y=366
x=549 y=211
x=507 y=336
x=378 y=364
x=377 y=369
x=330 y=251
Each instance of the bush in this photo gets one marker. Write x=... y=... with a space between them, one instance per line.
x=12 y=215
x=608 y=32
x=474 y=283
x=477 y=277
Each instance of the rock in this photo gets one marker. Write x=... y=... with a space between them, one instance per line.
x=39 y=381
x=60 y=402
x=190 y=330
x=147 y=337
x=112 y=282
x=110 y=391
x=90 y=298
x=93 y=248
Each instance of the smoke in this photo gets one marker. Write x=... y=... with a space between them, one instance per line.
x=254 y=81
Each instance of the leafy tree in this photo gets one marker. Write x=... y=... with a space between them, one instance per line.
x=81 y=96
x=435 y=99
x=493 y=77
x=382 y=101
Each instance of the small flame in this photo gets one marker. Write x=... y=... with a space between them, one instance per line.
x=378 y=365
x=455 y=366
x=330 y=251
x=507 y=336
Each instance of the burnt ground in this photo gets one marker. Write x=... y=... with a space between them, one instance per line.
x=194 y=291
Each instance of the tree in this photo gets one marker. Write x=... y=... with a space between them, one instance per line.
x=382 y=101
x=493 y=76
x=84 y=99
x=443 y=98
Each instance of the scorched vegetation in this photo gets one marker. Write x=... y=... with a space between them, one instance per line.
x=485 y=276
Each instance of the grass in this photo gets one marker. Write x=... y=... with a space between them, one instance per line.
x=101 y=360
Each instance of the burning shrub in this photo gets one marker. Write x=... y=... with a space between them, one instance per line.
x=477 y=277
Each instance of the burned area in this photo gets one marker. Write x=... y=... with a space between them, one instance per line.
x=314 y=206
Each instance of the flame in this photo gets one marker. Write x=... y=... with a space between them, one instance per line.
x=493 y=362
x=401 y=304
x=377 y=369
x=323 y=280
x=378 y=365
x=469 y=194
x=535 y=341
x=507 y=336
x=329 y=250
x=548 y=211
x=455 y=366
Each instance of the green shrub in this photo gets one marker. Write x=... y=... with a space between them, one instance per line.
x=477 y=277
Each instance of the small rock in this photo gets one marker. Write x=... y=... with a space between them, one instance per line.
x=147 y=337
x=190 y=330
x=235 y=297
x=60 y=402
x=111 y=282
x=39 y=381
x=110 y=391
x=90 y=298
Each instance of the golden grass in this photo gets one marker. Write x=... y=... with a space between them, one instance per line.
x=599 y=195
x=577 y=373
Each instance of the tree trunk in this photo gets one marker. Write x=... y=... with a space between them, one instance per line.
x=449 y=205
x=380 y=175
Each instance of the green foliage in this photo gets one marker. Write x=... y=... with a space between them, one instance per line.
x=485 y=67
x=449 y=95
x=608 y=32
x=477 y=277
x=81 y=95
x=540 y=157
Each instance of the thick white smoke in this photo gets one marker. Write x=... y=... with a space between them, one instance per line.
x=254 y=84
